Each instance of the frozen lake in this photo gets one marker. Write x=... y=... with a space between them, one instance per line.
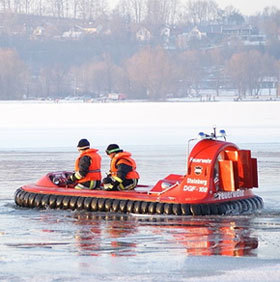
x=57 y=245
x=62 y=124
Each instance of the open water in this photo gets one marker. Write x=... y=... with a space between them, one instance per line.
x=63 y=245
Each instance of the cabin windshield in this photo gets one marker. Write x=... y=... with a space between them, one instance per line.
x=216 y=172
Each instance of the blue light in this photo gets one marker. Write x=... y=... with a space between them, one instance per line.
x=201 y=135
x=223 y=132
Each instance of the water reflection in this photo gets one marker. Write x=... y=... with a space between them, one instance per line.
x=88 y=239
x=115 y=235
x=104 y=234
x=127 y=236
x=212 y=236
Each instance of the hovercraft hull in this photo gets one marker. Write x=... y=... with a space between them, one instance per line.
x=219 y=180
x=128 y=202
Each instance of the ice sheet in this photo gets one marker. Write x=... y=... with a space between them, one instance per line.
x=62 y=124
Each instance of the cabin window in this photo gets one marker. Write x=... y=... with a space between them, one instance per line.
x=216 y=172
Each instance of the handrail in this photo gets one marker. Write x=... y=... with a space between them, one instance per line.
x=168 y=188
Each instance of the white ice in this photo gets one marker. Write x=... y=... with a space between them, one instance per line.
x=59 y=125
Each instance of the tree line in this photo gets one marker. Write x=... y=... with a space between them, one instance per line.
x=152 y=12
x=151 y=73
x=117 y=63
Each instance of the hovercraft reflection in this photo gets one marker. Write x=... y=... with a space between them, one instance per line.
x=121 y=235
x=220 y=236
x=219 y=180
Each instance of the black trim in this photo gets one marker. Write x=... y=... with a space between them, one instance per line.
x=36 y=200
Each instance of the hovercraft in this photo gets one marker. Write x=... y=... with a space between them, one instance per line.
x=218 y=181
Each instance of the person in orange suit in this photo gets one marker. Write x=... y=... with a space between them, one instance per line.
x=87 y=173
x=123 y=174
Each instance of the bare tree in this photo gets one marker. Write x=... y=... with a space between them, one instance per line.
x=157 y=14
x=216 y=63
x=247 y=70
x=23 y=6
x=277 y=65
x=71 y=8
x=151 y=69
x=91 y=9
x=6 y=5
x=13 y=75
x=95 y=79
x=38 y=7
x=174 y=12
x=58 y=8
x=52 y=79
x=98 y=76
x=100 y=8
x=199 y=11
x=192 y=72
x=236 y=69
x=134 y=9
x=232 y=16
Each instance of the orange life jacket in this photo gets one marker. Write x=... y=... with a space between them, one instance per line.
x=124 y=158
x=94 y=172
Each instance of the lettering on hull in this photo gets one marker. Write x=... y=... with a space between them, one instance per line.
x=197 y=181
x=228 y=195
x=191 y=188
x=201 y=161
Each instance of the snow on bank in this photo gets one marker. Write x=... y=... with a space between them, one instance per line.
x=62 y=124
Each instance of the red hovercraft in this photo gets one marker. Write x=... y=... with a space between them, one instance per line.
x=218 y=181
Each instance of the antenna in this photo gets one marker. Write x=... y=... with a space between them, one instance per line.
x=188 y=152
x=214 y=130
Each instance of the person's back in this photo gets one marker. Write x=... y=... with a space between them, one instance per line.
x=123 y=174
x=87 y=173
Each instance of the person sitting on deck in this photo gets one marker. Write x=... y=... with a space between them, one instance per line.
x=123 y=174
x=87 y=173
